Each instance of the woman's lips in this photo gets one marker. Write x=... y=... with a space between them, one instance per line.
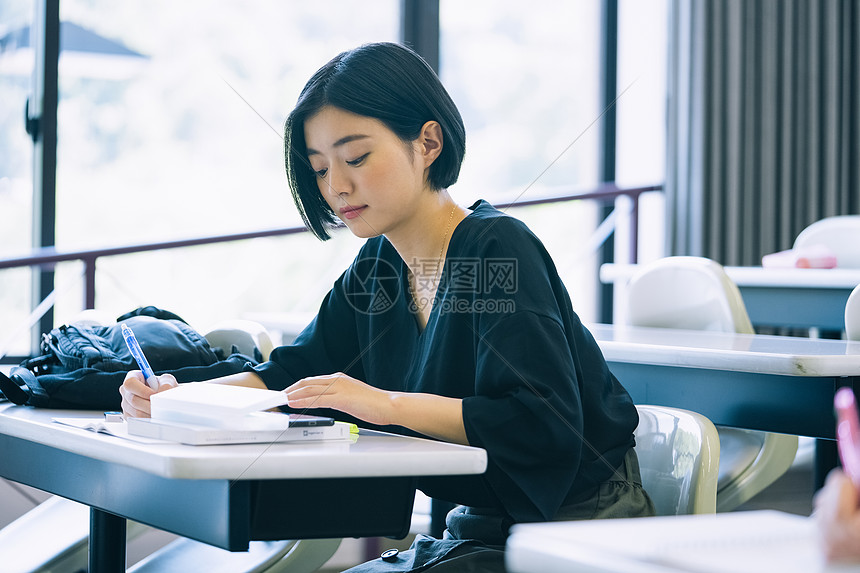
x=352 y=212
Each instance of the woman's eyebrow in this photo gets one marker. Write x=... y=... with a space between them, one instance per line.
x=341 y=141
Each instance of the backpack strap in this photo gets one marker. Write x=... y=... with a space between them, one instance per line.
x=14 y=389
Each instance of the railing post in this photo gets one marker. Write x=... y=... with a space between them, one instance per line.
x=634 y=229
x=89 y=282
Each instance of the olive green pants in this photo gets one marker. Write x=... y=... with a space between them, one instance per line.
x=622 y=495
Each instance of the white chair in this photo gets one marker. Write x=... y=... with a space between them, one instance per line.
x=841 y=236
x=852 y=315
x=695 y=293
x=245 y=336
x=691 y=293
x=679 y=454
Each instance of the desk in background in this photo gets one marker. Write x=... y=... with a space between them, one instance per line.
x=753 y=381
x=778 y=298
x=771 y=383
x=225 y=495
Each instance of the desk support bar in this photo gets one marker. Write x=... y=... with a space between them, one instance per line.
x=107 y=542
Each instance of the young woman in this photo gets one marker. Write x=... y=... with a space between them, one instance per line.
x=451 y=322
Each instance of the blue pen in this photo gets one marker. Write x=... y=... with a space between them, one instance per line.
x=137 y=353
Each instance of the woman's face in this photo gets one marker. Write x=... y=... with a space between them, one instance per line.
x=369 y=177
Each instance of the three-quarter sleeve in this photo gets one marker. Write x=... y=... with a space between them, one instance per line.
x=526 y=412
x=328 y=344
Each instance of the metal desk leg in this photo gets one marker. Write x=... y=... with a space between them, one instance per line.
x=107 y=542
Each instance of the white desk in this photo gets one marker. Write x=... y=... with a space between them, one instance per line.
x=225 y=495
x=787 y=298
x=739 y=542
x=772 y=383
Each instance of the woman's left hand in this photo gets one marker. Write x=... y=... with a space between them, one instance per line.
x=344 y=393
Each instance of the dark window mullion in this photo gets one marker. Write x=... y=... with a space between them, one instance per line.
x=607 y=144
x=420 y=28
x=43 y=107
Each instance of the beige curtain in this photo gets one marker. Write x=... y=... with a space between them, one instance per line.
x=763 y=121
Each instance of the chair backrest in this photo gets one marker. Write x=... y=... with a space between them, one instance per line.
x=247 y=336
x=841 y=236
x=852 y=315
x=695 y=293
x=679 y=456
x=692 y=293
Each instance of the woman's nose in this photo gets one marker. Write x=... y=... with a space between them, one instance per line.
x=339 y=183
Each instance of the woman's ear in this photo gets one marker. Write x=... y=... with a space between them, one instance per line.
x=430 y=142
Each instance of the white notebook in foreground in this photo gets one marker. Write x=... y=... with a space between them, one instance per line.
x=737 y=542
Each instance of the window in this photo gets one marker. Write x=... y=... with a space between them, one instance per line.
x=641 y=148
x=170 y=121
x=169 y=127
x=525 y=77
x=16 y=168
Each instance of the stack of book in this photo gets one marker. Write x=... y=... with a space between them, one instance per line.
x=200 y=413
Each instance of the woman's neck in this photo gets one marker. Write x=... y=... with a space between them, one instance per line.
x=425 y=238
x=424 y=250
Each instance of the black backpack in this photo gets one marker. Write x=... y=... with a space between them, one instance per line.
x=82 y=366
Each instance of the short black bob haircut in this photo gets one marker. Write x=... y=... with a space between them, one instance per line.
x=385 y=81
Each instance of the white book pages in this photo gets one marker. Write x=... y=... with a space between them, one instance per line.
x=212 y=404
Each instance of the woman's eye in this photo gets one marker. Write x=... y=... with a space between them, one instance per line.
x=357 y=160
x=321 y=173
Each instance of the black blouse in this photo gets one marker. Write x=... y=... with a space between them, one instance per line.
x=502 y=335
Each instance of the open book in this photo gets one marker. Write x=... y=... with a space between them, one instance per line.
x=281 y=428
x=102 y=426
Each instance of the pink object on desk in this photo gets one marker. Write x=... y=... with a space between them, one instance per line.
x=812 y=257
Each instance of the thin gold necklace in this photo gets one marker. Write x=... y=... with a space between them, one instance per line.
x=437 y=276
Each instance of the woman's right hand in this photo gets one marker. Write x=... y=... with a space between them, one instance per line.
x=837 y=511
x=135 y=393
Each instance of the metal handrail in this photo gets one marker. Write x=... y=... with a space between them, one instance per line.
x=49 y=256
